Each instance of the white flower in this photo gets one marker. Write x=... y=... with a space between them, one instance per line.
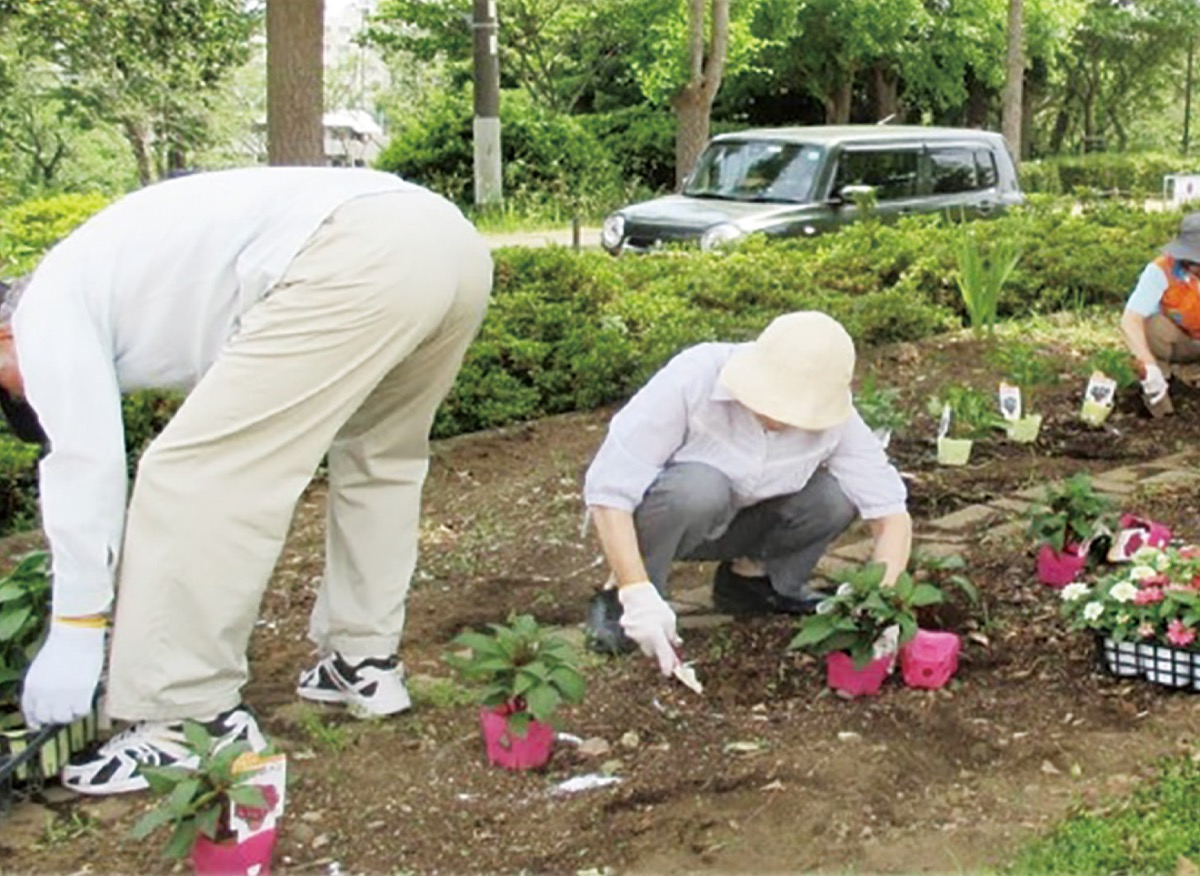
x=1123 y=592
x=845 y=588
x=1151 y=556
x=1092 y=611
x=1072 y=592
x=825 y=606
x=1137 y=573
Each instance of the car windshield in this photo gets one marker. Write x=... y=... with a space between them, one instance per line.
x=756 y=170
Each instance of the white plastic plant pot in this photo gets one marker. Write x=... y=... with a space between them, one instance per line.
x=1120 y=658
x=1025 y=430
x=1094 y=413
x=954 y=451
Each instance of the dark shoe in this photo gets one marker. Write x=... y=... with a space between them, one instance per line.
x=749 y=597
x=603 y=626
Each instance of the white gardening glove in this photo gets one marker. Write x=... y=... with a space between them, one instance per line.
x=648 y=620
x=1154 y=385
x=60 y=685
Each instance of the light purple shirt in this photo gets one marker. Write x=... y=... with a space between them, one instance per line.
x=683 y=415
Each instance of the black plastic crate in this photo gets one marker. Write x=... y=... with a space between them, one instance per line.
x=30 y=757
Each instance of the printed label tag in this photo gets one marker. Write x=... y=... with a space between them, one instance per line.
x=1010 y=401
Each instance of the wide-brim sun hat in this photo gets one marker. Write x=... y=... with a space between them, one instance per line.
x=1186 y=245
x=798 y=372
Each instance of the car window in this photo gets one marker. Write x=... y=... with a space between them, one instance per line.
x=952 y=171
x=891 y=172
x=756 y=170
x=985 y=168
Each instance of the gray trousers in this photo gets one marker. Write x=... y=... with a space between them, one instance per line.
x=688 y=514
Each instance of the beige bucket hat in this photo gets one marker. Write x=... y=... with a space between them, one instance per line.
x=798 y=371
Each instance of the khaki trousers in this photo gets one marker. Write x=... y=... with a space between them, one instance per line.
x=1169 y=343
x=349 y=356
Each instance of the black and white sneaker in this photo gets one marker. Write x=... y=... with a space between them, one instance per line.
x=114 y=767
x=369 y=688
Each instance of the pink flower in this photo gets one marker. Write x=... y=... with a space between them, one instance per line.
x=1179 y=635
x=1148 y=596
x=1159 y=580
x=1189 y=552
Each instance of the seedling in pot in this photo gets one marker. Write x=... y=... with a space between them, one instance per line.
x=1027 y=373
x=24 y=609
x=527 y=673
x=964 y=414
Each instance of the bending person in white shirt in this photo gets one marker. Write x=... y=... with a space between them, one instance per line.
x=749 y=454
x=308 y=313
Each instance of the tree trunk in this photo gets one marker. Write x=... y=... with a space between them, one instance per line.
x=1014 y=79
x=135 y=136
x=295 y=88
x=884 y=89
x=837 y=102
x=693 y=102
x=979 y=101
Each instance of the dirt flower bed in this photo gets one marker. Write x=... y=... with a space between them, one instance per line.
x=767 y=771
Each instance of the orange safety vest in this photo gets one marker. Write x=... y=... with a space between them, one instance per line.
x=1181 y=301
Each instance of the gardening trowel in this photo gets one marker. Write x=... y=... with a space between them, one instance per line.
x=685 y=674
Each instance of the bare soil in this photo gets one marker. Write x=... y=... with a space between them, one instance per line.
x=767 y=771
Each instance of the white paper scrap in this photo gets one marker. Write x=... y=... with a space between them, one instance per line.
x=588 y=782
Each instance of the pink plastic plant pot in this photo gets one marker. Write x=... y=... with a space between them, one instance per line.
x=510 y=751
x=1157 y=534
x=841 y=675
x=930 y=659
x=249 y=858
x=1059 y=568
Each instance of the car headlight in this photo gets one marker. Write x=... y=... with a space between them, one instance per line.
x=612 y=235
x=720 y=235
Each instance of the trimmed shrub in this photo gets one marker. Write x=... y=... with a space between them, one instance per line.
x=30 y=228
x=1137 y=174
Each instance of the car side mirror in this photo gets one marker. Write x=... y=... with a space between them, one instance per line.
x=853 y=194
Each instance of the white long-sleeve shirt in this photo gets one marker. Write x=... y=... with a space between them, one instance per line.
x=144 y=295
x=683 y=414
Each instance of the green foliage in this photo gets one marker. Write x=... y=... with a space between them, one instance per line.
x=521 y=665
x=880 y=405
x=983 y=269
x=1152 y=831
x=24 y=611
x=1132 y=174
x=1116 y=362
x=1070 y=512
x=1024 y=365
x=862 y=608
x=551 y=164
x=28 y=229
x=973 y=412
x=198 y=801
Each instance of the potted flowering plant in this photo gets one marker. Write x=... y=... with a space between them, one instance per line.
x=1146 y=616
x=218 y=815
x=965 y=415
x=1064 y=523
x=528 y=672
x=860 y=628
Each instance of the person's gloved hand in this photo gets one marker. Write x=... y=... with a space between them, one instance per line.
x=60 y=685
x=648 y=620
x=1154 y=385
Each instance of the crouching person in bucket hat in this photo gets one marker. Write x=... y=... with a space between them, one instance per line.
x=748 y=454
x=1161 y=322
x=310 y=313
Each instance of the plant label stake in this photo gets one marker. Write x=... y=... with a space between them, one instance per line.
x=1098 y=398
x=1010 y=402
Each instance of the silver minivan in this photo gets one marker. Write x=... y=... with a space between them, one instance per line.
x=791 y=182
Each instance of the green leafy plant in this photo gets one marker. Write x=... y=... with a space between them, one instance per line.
x=198 y=802
x=1070 y=513
x=1115 y=363
x=1026 y=366
x=982 y=272
x=861 y=609
x=523 y=666
x=880 y=406
x=973 y=411
x=24 y=609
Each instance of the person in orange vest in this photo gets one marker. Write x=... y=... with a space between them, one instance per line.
x=1161 y=322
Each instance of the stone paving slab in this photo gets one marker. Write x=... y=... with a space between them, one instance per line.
x=1113 y=488
x=1175 y=477
x=1012 y=505
x=964 y=518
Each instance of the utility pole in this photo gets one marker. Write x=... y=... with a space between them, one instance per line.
x=487 y=104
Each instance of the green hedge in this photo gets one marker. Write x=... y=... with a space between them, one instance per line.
x=1136 y=174
x=569 y=331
